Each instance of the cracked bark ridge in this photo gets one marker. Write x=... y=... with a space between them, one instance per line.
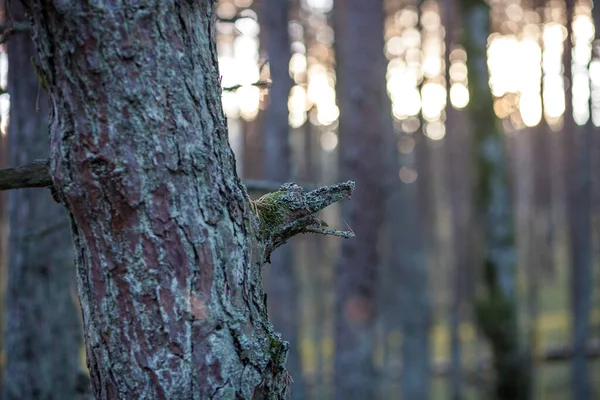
x=167 y=252
x=290 y=211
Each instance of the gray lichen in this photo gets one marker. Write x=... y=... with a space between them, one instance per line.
x=290 y=211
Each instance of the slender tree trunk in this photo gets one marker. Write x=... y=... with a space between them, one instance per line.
x=454 y=145
x=43 y=332
x=409 y=266
x=595 y=104
x=360 y=88
x=577 y=147
x=167 y=250
x=282 y=284
x=496 y=304
x=3 y=239
x=407 y=205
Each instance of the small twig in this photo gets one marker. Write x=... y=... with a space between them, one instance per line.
x=259 y=84
x=331 y=232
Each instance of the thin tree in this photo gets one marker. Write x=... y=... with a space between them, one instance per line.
x=43 y=328
x=282 y=284
x=169 y=247
x=407 y=206
x=454 y=149
x=496 y=307
x=577 y=148
x=360 y=88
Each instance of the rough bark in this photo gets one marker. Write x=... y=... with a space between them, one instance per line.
x=282 y=285
x=167 y=250
x=577 y=152
x=360 y=91
x=43 y=328
x=496 y=302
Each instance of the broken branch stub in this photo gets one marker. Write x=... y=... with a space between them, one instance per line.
x=290 y=211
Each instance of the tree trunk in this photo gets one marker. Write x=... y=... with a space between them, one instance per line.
x=409 y=266
x=282 y=284
x=577 y=147
x=360 y=88
x=43 y=325
x=456 y=190
x=3 y=238
x=167 y=250
x=496 y=304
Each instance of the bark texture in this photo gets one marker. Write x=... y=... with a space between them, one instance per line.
x=166 y=246
x=43 y=329
x=496 y=302
x=360 y=88
x=282 y=285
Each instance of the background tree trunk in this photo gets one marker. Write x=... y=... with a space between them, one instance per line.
x=43 y=332
x=496 y=302
x=167 y=253
x=3 y=236
x=360 y=87
x=282 y=284
x=457 y=192
x=577 y=149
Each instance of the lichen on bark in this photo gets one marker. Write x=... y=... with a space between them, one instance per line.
x=290 y=211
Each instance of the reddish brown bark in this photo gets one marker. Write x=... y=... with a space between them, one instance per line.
x=167 y=255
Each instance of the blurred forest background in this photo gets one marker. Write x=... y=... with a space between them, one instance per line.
x=474 y=273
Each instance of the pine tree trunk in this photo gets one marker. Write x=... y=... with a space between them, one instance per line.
x=43 y=328
x=496 y=304
x=360 y=88
x=167 y=253
x=454 y=146
x=577 y=179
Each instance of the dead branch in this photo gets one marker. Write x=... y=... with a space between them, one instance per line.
x=36 y=174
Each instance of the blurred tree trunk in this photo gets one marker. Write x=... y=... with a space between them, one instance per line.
x=3 y=237
x=408 y=273
x=407 y=205
x=496 y=302
x=539 y=256
x=595 y=106
x=457 y=196
x=168 y=257
x=282 y=284
x=360 y=88
x=43 y=328
x=577 y=147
